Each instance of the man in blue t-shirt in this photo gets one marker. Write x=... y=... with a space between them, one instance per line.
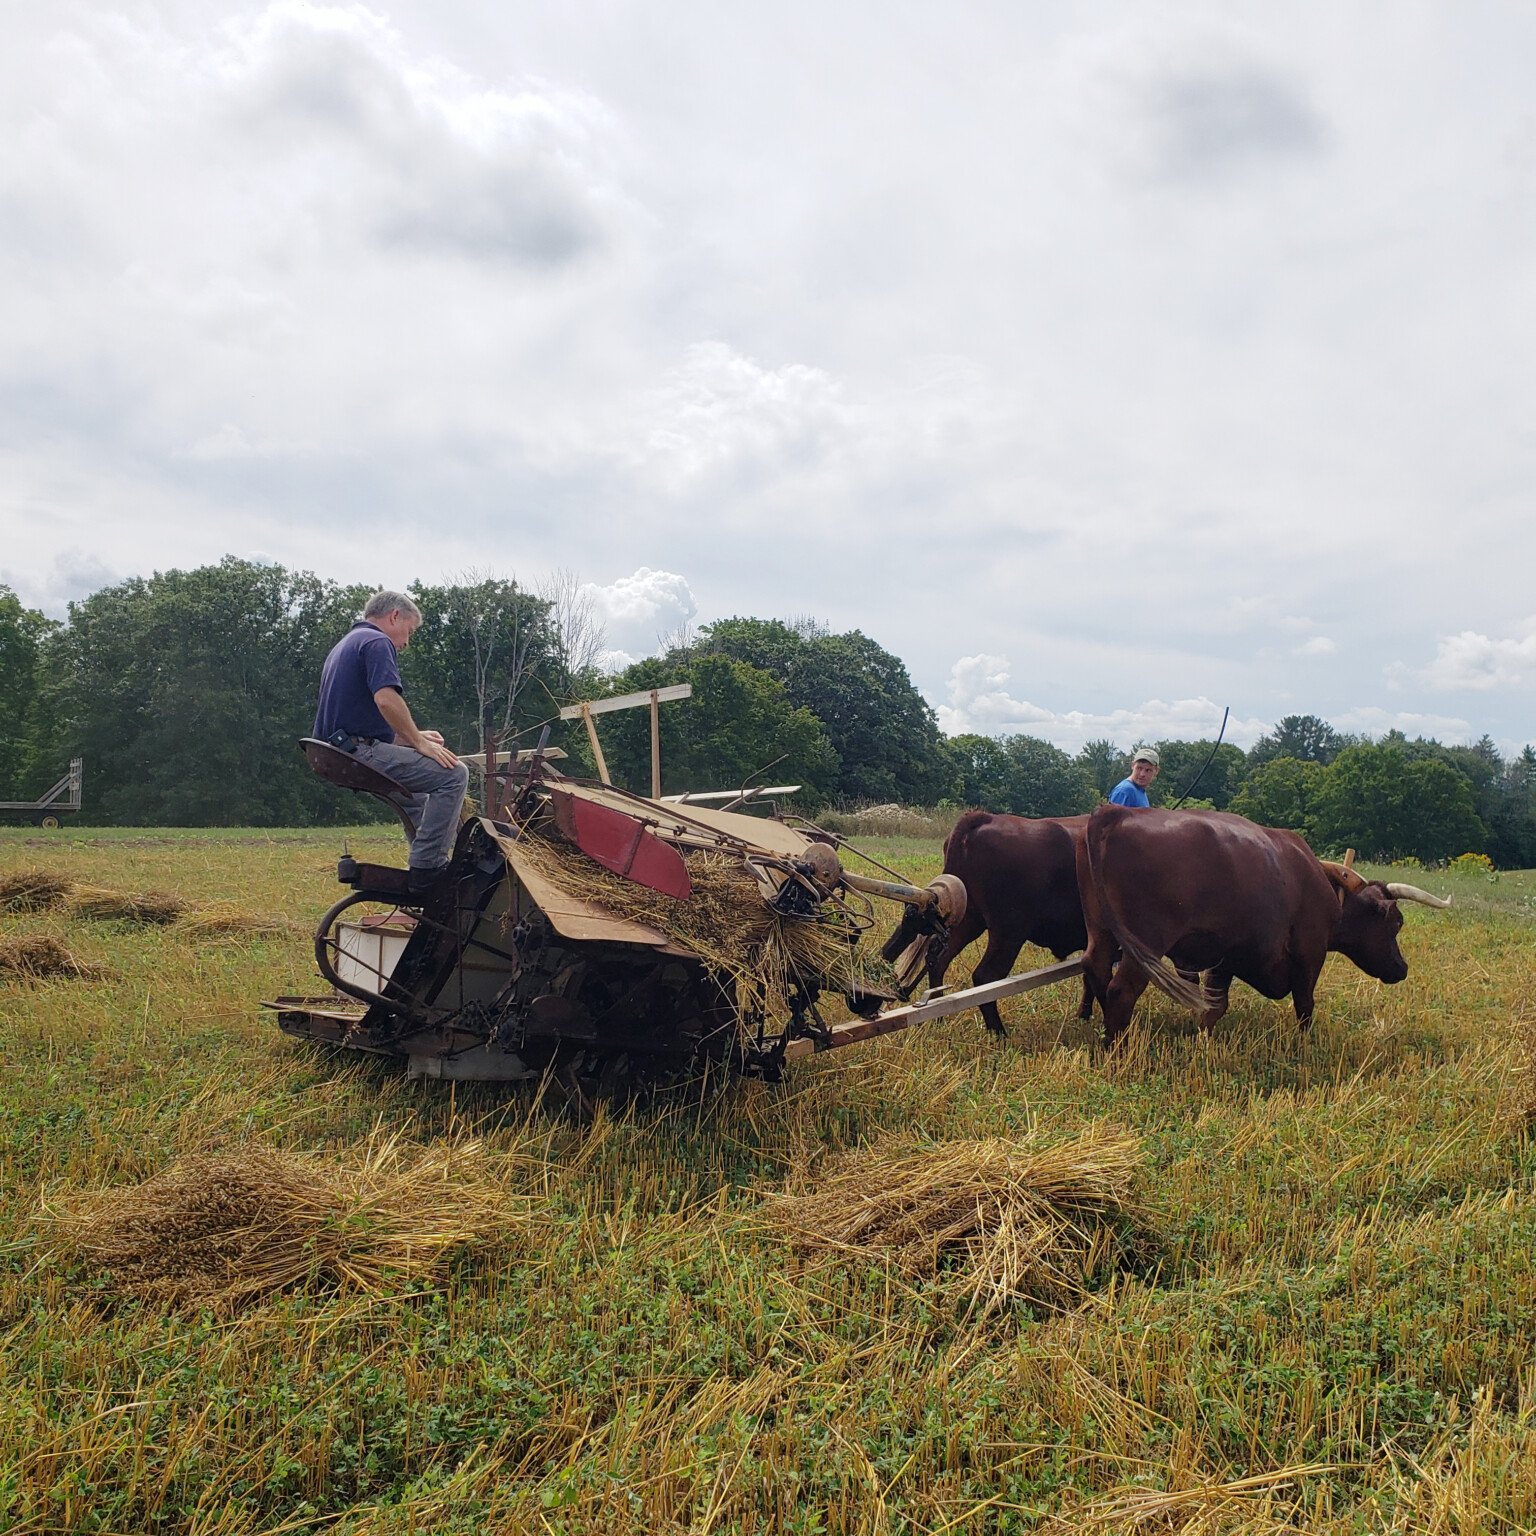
x=1133 y=791
x=362 y=710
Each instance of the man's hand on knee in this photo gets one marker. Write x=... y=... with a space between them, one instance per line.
x=392 y=706
x=437 y=752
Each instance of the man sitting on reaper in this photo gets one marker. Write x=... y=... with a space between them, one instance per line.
x=362 y=710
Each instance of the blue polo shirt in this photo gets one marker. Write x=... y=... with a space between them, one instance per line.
x=1128 y=792
x=360 y=663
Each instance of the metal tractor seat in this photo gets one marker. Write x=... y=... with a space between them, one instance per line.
x=346 y=772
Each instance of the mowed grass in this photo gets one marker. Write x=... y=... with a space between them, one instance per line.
x=1329 y=1325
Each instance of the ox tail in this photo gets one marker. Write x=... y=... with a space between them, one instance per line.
x=1159 y=971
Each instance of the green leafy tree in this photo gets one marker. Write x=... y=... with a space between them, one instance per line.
x=739 y=722
x=1390 y=804
x=1104 y=763
x=23 y=632
x=1480 y=765
x=983 y=772
x=186 y=693
x=882 y=729
x=1283 y=792
x=770 y=645
x=1044 y=781
x=1306 y=738
x=485 y=646
x=1181 y=764
x=1511 y=814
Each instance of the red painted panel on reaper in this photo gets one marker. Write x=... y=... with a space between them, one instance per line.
x=622 y=844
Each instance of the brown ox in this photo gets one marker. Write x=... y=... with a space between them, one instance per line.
x=1215 y=893
x=1020 y=878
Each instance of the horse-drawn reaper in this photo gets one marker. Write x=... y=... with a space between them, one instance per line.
x=602 y=936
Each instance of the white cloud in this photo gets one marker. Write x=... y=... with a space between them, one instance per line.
x=639 y=613
x=1190 y=104
x=979 y=702
x=426 y=153
x=226 y=443
x=1371 y=720
x=408 y=288
x=71 y=575
x=721 y=415
x=1481 y=662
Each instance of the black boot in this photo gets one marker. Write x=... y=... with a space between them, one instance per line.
x=427 y=882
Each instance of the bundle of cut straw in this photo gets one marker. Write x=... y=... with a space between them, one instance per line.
x=1011 y=1220
x=97 y=902
x=35 y=955
x=33 y=890
x=224 y=1229
x=1520 y=1086
x=229 y=922
x=725 y=922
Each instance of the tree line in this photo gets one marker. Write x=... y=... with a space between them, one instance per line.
x=186 y=692
x=1393 y=798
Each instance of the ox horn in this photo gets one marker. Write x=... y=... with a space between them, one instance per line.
x=1403 y=892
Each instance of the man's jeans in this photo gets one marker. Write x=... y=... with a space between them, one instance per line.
x=436 y=795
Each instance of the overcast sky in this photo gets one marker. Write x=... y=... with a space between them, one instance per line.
x=1110 y=364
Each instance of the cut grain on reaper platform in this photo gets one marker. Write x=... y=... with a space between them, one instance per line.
x=33 y=890
x=1014 y=1221
x=225 y=1228
x=725 y=922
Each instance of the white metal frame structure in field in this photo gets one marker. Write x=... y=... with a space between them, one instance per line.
x=64 y=796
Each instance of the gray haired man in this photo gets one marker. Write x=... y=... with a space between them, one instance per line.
x=362 y=709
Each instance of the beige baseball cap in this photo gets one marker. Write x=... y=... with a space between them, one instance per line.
x=1146 y=755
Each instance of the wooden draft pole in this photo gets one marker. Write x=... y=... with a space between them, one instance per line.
x=655 y=745
x=937 y=1004
x=597 y=746
x=491 y=789
x=652 y=697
